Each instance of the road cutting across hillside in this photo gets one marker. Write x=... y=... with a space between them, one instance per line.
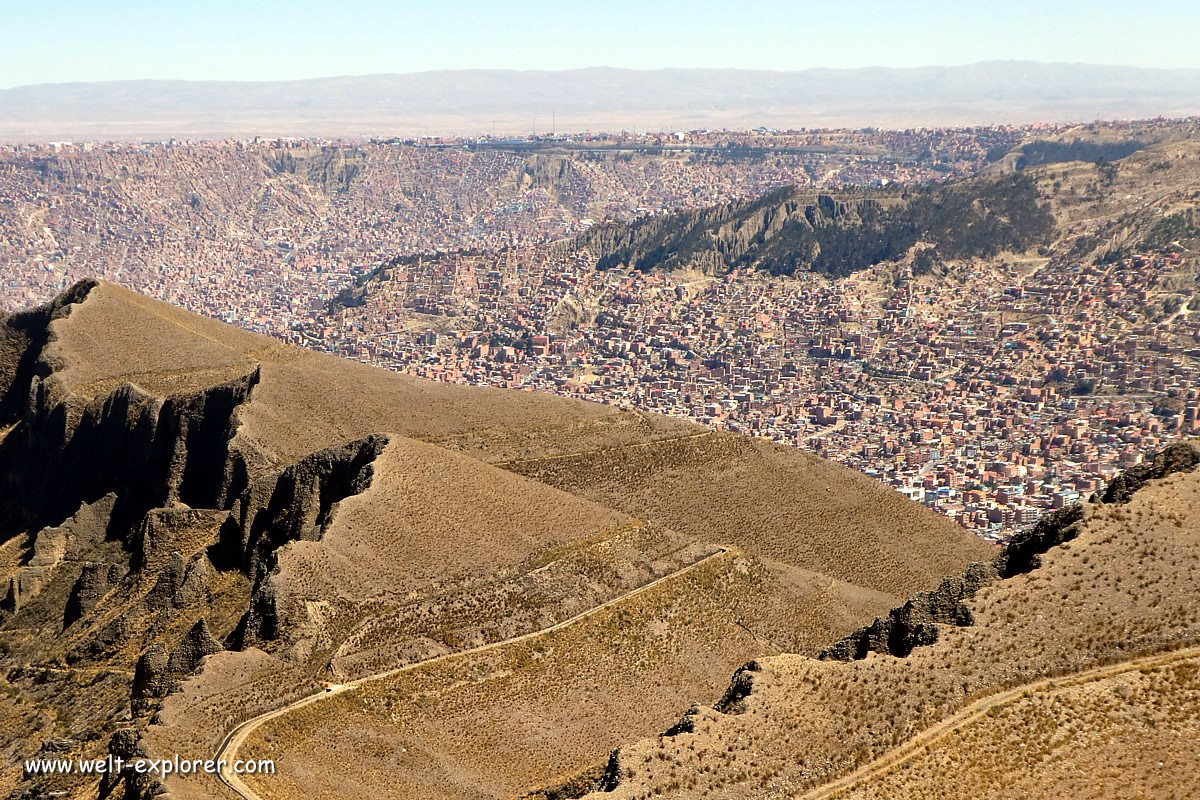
x=980 y=708
x=227 y=752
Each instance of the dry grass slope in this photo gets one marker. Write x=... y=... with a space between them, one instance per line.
x=487 y=515
x=497 y=724
x=1125 y=587
x=1132 y=735
x=780 y=503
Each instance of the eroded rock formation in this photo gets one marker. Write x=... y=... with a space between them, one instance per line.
x=915 y=623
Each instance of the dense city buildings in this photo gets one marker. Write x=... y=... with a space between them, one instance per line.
x=273 y=227
x=992 y=390
x=993 y=394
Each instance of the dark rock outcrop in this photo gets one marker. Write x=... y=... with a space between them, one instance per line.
x=614 y=770
x=94 y=583
x=164 y=531
x=150 y=678
x=57 y=744
x=126 y=745
x=296 y=504
x=158 y=671
x=23 y=340
x=581 y=785
x=205 y=471
x=163 y=596
x=198 y=643
x=1023 y=553
x=1179 y=457
x=915 y=623
x=87 y=527
x=740 y=687
x=686 y=724
x=264 y=621
x=609 y=777
x=24 y=586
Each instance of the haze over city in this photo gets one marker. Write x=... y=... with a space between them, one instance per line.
x=136 y=39
x=530 y=401
x=378 y=69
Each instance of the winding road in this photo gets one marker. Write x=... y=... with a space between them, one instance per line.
x=227 y=752
x=880 y=766
x=975 y=711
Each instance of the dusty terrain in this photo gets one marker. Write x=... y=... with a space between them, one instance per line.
x=1131 y=726
x=1116 y=600
x=201 y=525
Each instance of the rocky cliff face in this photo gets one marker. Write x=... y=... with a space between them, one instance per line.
x=63 y=453
x=295 y=505
x=789 y=230
x=915 y=623
x=64 y=449
x=145 y=515
x=71 y=541
x=23 y=358
x=158 y=671
x=94 y=583
x=137 y=786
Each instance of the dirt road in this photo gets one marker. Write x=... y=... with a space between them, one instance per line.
x=975 y=711
x=236 y=737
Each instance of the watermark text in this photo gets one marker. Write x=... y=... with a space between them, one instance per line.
x=160 y=767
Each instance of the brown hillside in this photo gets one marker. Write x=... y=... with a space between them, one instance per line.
x=202 y=525
x=777 y=502
x=307 y=401
x=1133 y=731
x=1061 y=668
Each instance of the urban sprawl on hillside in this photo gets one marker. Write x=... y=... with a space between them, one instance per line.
x=993 y=391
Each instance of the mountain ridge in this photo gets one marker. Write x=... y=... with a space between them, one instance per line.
x=792 y=230
x=218 y=525
x=513 y=101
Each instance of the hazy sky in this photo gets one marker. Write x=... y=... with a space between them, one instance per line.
x=77 y=40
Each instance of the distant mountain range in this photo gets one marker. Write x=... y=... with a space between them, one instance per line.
x=520 y=102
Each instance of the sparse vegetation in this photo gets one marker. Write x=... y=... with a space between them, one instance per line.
x=340 y=560
x=1124 y=588
x=788 y=231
